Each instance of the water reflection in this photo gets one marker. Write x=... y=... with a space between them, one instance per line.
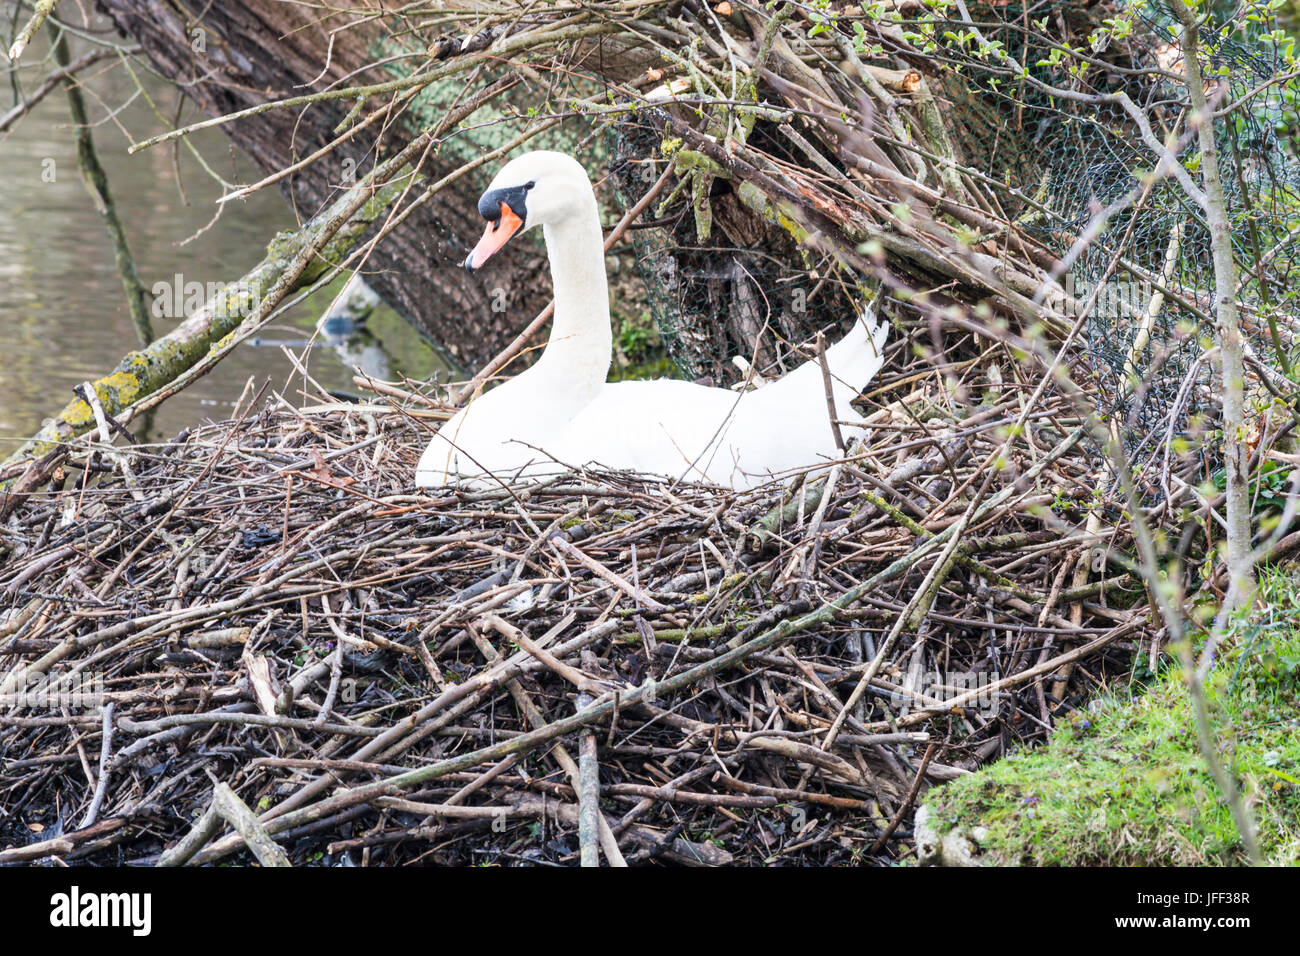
x=345 y=329
x=63 y=318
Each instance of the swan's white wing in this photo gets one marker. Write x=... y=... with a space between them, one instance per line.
x=664 y=427
x=500 y=433
x=682 y=430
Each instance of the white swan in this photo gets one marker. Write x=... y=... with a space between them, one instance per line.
x=561 y=412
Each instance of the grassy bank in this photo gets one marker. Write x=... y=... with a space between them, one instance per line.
x=1124 y=782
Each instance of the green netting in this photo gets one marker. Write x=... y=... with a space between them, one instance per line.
x=1152 y=258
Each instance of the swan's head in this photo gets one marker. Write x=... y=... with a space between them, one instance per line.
x=531 y=190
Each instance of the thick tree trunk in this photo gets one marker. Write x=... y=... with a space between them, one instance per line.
x=239 y=53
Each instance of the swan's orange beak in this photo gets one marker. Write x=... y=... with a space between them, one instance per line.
x=496 y=235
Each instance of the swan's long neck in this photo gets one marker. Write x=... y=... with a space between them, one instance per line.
x=580 y=346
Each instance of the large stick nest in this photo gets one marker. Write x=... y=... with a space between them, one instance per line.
x=388 y=678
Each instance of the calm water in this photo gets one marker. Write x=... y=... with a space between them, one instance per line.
x=63 y=318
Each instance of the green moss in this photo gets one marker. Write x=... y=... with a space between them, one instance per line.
x=223 y=342
x=1126 y=784
x=494 y=124
x=78 y=414
x=118 y=390
x=726 y=584
x=756 y=200
x=282 y=245
x=115 y=392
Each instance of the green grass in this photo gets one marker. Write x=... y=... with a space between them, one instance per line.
x=1125 y=783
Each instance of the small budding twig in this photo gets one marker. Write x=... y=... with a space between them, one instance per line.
x=43 y=8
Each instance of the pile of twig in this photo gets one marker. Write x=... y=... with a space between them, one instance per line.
x=259 y=624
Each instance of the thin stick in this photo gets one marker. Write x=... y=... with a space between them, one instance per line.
x=105 y=766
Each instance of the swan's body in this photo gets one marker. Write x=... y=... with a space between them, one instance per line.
x=562 y=413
